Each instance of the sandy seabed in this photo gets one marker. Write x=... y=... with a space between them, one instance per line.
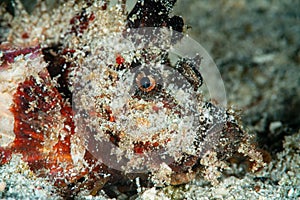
x=256 y=45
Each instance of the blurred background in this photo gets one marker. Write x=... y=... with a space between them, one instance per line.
x=256 y=46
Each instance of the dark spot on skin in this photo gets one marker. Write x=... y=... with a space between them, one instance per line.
x=189 y=69
x=58 y=67
x=81 y=21
x=152 y=13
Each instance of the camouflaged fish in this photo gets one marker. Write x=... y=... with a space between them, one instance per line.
x=97 y=98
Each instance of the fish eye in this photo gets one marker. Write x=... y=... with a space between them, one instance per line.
x=146 y=83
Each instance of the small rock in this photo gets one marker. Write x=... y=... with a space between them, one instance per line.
x=149 y=194
x=263 y=58
x=291 y=192
x=274 y=126
x=2 y=186
x=221 y=191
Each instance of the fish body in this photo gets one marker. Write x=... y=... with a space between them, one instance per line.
x=101 y=101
